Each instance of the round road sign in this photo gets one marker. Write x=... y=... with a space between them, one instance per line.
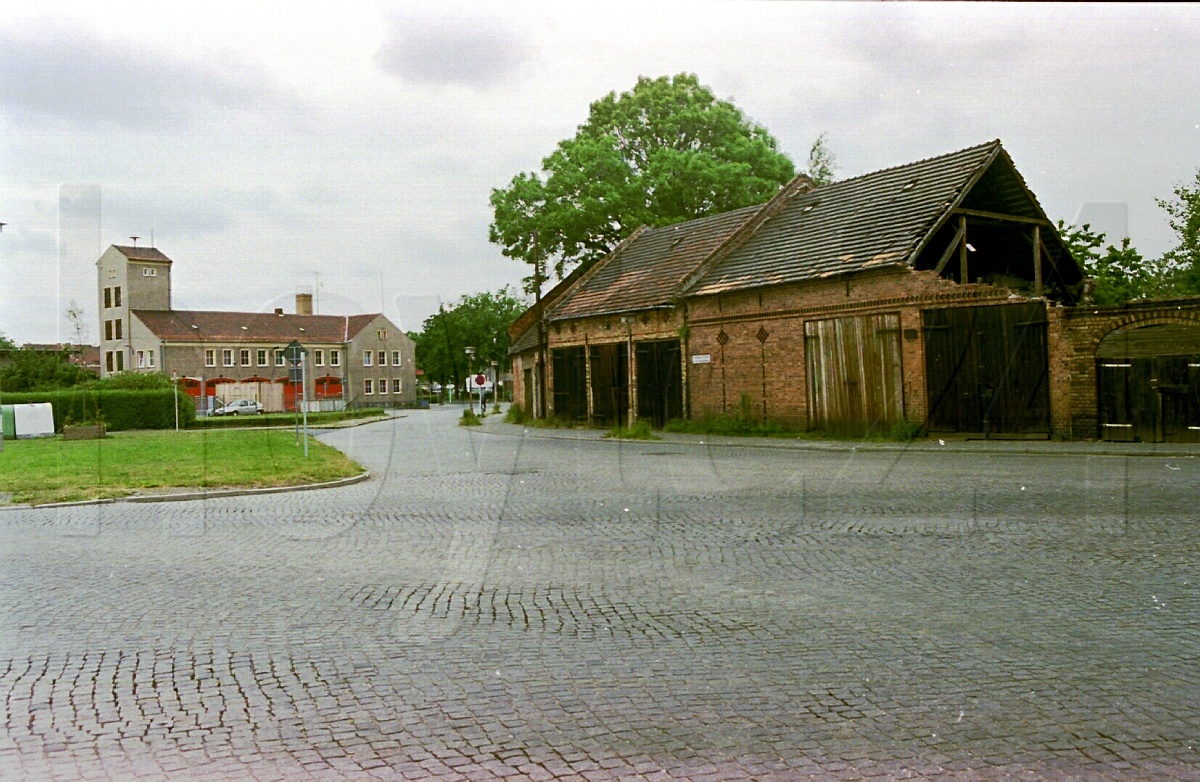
x=480 y=380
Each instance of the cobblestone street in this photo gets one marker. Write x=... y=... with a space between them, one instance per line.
x=495 y=605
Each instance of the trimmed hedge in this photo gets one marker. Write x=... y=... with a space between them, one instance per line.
x=119 y=410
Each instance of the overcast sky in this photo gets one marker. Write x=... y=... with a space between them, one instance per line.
x=357 y=148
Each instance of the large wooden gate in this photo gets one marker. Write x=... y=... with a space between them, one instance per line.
x=570 y=384
x=855 y=377
x=659 y=381
x=1148 y=381
x=987 y=369
x=610 y=384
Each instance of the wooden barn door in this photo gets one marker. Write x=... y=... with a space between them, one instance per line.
x=570 y=384
x=987 y=369
x=1148 y=384
x=659 y=381
x=854 y=370
x=610 y=384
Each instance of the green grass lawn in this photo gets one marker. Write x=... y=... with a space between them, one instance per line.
x=283 y=419
x=54 y=470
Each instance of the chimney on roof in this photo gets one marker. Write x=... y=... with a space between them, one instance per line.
x=303 y=303
x=279 y=310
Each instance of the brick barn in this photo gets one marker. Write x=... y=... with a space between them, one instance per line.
x=936 y=293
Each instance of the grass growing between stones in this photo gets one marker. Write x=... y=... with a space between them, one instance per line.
x=53 y=470
x=639 y=431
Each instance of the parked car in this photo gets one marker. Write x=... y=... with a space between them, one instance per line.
x=239 y=407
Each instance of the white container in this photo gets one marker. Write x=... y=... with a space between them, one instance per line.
x=36 y=420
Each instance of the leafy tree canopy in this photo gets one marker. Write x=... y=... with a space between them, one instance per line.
x=6 y=343
x=40 y=370
x=1183 y=213
x=664 y=152
x=480 y=321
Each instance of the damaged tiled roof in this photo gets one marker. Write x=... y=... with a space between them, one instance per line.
x=177 y=326
x=873 y=220
x=142 y=253
x=648 y=271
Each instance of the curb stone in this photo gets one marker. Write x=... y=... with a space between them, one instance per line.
x=200 y=495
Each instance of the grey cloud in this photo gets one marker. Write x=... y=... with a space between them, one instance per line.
x=471 y=53
x=70 y=73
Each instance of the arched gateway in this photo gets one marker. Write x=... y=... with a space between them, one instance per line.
x=1148 y=382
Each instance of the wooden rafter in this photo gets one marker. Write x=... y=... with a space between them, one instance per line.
x=1001 y=217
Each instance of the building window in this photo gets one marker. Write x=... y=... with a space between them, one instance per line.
x=117 y=296
x=210 y=358
x=108 y=360
x=397 y=386
x=335 y=358
x=150 y=358
x=395 y=358
x=368 y=387
x=244 y=355
x=148 y=271
x=112 y=274
x=279 y=359
x=227 y=357
x=366 y=359
x=117 y=330
x=108 y=297
x=262 y=357
x=108 y=329
x=120 y=360
x=319 y=358
x=141 y=360
x=383 y=358
x=381 y=333
x=383 y=385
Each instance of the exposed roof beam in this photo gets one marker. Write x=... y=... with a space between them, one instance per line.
x=1002 y=217
x=950 y=248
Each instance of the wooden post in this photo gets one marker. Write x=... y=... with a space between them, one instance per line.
x=587 y=377
x=1037 y=260
x=962 y=250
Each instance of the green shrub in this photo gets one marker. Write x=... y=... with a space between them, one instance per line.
x=639 y=431
x=283 y=419
x=118 y=409
x=515 y=414
x=129 y=381
x=906 y=431
x=469 y=418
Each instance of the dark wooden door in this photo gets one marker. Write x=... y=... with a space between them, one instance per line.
x=610 y=384
x=855 y=377
x=570 y=384
x=659 y=381
x=1150 y=399
x=527 y=385
x=987 y=369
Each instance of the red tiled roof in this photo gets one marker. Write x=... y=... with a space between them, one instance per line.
x=648 y=271
x=142 y=253
x=202 y=326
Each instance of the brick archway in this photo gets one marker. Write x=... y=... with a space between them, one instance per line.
x=1139 y=321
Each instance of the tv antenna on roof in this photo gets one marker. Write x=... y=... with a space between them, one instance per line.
x=135 y=238
x=2 y=227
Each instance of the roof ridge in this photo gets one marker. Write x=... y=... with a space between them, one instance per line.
x=910 y=164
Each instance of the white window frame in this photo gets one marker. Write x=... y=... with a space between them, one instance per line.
x=261 y=356
x=383 y=385
x=244 y=357
x=150 y=358
x=335 y=358
x=280 y=359
x=226 y=357
x=382 y=358
x=396 y=358
x=368 y=387
x=141 y=359
x=367 y=356
x=397 y=386
x=318 y=358
x=210 y=357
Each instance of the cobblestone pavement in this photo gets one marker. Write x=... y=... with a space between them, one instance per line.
x=494 y=606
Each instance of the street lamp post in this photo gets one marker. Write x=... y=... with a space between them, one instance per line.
x=470 y=351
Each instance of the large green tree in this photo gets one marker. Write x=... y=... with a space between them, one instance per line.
x=480 y=321
x=1183 y=260
x=664 y=152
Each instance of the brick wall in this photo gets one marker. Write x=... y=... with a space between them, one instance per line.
x=772 y=373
